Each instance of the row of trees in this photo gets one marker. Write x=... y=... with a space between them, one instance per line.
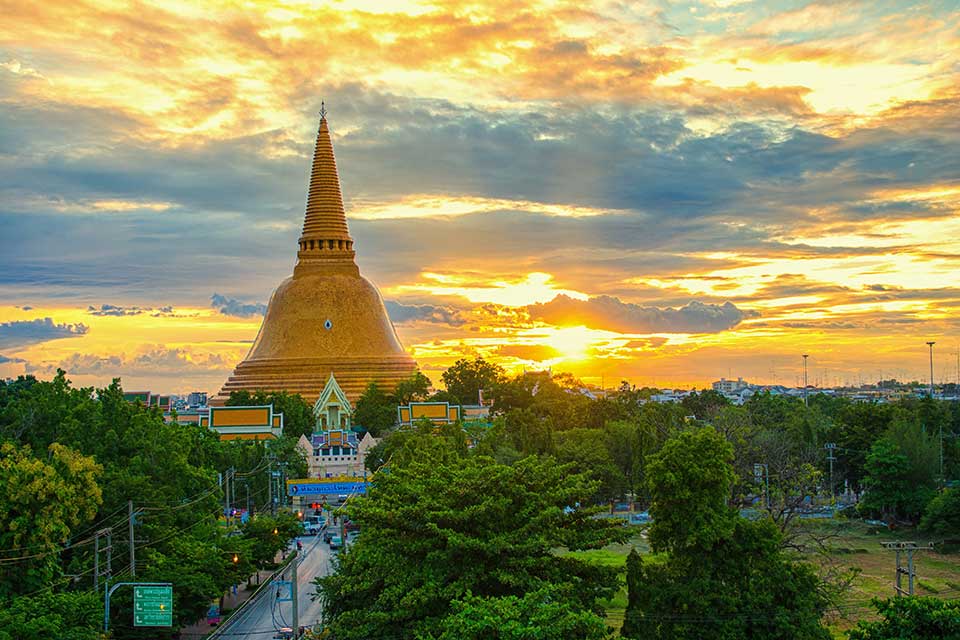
x=71 y=459
x=888 y=454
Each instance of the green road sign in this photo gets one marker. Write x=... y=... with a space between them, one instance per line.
x=152 y=606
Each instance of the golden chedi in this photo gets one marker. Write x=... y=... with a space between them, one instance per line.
x=326 y=318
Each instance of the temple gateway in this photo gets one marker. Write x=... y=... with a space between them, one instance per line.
x=326 y=318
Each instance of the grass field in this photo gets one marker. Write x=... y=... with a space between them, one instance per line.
x=849 y=544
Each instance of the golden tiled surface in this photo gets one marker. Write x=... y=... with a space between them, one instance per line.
x=326 y=318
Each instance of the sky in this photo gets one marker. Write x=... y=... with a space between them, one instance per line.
x=660 y=192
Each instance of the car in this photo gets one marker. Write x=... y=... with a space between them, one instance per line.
x=336 y=542
x=312 y=528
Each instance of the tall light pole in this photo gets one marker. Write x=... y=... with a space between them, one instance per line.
x=805 y=356
x=930 y=344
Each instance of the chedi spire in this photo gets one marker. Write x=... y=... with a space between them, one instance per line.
x=325 y=238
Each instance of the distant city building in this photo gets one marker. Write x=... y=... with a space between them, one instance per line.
x=197 y=399
x=143 y=397
x=148 y=399
x=730 y=386
x=244 y=423
x=187 y=416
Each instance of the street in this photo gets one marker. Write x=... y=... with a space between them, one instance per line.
x=264 y=616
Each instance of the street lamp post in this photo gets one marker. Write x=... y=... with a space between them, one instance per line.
x=805 y=356
x=930 y=344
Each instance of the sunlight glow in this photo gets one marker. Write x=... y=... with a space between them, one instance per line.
x=535 y=287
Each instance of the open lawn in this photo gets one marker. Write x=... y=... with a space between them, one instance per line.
x=847 y=544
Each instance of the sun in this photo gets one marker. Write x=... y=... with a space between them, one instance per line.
x=572 y=343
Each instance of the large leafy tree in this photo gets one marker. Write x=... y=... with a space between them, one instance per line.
x=465 y=379
x=43 y=501
x=413 y=388
x=443 y=527
x=890 y=492
x=376 y=410
x=723 y=576
x=689 y=482
x=914 y=618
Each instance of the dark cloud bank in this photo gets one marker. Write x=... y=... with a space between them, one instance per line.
x=20 y=333
x=233 y=307
x=612 y=314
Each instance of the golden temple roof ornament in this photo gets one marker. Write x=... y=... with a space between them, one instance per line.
x=326 y=318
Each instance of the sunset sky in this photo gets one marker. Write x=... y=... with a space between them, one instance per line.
x=663 y=192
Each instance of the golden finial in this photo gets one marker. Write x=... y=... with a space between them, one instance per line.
x=323 y=111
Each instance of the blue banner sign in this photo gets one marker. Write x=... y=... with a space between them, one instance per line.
x=321 y=487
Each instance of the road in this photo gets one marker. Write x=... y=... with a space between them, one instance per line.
x=262 y=617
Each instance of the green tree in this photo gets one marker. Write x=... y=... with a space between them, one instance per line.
x=528 y=432
x=465 y=379
x=942 y=515
x=62 y=616
x=42 y=503
x=414 y=388
x=722 y=576
x=890 y=492
x=704 y=405
x=269 y=535
x=689 y=481
x=439 y=529
x=915 y=618
x=544 y=615
x=375 y=411
x=298 y=418
x=586 y=451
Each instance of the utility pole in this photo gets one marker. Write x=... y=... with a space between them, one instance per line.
x=293 y=594
x=909 y=548
x=226 y=493
x=830 y=447
x=97 y=548
x=270 y=486
x=759 y=471
x=805 y=356
x=930 y=344
x=133 y=562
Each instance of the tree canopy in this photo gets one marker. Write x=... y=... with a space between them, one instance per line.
x=443 y=528
x=722 y=576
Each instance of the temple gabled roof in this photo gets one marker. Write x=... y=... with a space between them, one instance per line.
x=332 y=393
